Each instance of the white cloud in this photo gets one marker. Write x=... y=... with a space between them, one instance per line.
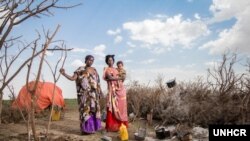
x=190 y=65
x=149 y=61
x=131 y=45
x=212 y=64
x=161 y=16
x=159 y=50
x=77 y=63
x=145 y=45
x=99 y=50
x=122 y=55
x=227 y=9
x=130 y=51
x=197 y=16
x=114 y=32
x=80 y=50
x=167 y=32
x=127 y=61
x=236 y=37
x=118 y=39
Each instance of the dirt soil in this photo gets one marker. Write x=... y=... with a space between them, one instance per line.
x=67 y=129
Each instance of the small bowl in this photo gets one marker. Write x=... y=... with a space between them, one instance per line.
x=139 y=138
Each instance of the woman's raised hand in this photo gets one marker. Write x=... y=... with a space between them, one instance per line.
x=62 y=71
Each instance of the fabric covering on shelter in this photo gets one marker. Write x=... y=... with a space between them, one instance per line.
x=44 y=95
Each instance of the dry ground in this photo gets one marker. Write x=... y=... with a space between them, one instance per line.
x=67 y=129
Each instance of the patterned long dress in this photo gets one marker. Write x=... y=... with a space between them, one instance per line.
x=88 y=99
x=116 y=101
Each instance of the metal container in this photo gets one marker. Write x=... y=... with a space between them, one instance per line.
x=162 y=133
x=141 y=133
x=138 y=137
x=171 y=83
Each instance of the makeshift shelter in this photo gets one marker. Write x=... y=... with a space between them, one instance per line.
x=43 y=97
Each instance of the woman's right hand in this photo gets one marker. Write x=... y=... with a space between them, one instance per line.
x=62 y=71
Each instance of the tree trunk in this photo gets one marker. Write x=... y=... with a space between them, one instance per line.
x=51 y=110
x=33 y=116
x=1 y=105
x=150 y=117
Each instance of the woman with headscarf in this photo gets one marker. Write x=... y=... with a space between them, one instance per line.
x=88 y=95
x=116 y=98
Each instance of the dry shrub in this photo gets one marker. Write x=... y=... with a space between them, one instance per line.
x=10 y=115
x=138 y=96
x=7 y=115
x=221 y=99
x=13 y=115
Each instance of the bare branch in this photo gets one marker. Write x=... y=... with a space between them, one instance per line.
x=25 y=62
x=14 y=58
x=64 y=59
x=16 y=12
x=41 y=8
x=31 y=61
x=223 y=78
x=47 y=43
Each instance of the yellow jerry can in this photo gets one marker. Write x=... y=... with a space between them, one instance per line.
x=55 y=115
x=123 y=133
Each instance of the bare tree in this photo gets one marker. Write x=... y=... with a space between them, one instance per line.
x=6 y=63
x=32 y=89
x=222 y=77
x=55 y=78
x=14 y=12
x=227 y=85
x=245 y=91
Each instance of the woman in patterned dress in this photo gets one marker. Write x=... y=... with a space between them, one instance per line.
x=116 y=98
x=88 y=95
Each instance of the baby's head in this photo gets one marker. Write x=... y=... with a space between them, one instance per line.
x=119 y=64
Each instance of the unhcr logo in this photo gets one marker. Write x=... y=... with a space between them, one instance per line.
x=228 y=132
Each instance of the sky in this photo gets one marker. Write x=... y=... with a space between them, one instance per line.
x=178 y=39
